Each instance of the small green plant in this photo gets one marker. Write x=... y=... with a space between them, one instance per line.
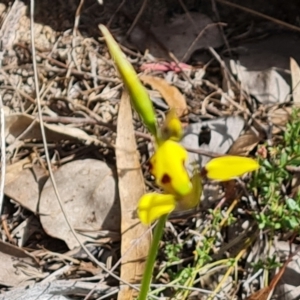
x=270 y=263
x=272 y=183
x=172 y=252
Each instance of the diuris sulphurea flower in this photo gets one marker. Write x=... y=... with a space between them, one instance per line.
x=180 y=191
x=173 y=178
x=167 y=164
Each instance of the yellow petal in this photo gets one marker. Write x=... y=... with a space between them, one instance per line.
x=172 y=128
x=167 y=165
x=193 y=198
x=152 y=206
x=138 y=94
x=228 y=167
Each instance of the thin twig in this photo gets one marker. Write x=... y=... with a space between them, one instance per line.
x=3 y=148
x=215 y=10
x=74 y=71
x=188 y=14
x=139 y=14
x=258 y=14
x=38 y=100
x=77 y=17
x=200 y=34
x=115 y=13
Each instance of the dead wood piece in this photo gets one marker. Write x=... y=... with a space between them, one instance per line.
x=60 y=287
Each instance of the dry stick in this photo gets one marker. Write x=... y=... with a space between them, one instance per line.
x=258 y=14
x=115 y=13
x=3 y=148
x=137 y=18
x=92 y=121
x=189 y=50
x=188 y=13
x=76 y=72
x=14 y=88
x=6 y=230
x=77 y=17
x=215 y=10
x=92 y=258
x=73 y=53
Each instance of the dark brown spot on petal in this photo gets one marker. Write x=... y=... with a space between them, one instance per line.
x=203 y=173
x=150 y=166
x=166 y=179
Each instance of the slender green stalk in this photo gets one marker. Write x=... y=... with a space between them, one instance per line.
x=158 y=232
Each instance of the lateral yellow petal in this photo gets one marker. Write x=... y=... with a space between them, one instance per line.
x=167 y=165
x=138 y=94
x=153 y=205
x=228 y=167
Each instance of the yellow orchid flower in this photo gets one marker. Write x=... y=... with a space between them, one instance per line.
x=228 y=167
x=153 y=205
x=167 y=165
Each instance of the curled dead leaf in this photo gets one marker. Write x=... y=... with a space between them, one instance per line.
x=279 y=118
x=244 y=144
x=170 y=93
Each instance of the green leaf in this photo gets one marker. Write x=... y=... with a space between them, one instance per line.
x=294 y=223
x=283 y=159
x=292 y=205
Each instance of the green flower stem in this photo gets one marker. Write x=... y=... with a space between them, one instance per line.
x=158 y=232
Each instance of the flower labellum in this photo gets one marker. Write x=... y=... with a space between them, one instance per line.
x=228 y=167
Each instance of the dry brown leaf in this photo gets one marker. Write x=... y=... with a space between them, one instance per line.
x=23 y=126
x=279 y=118
x=88 y=191
x=295 y=73
x=267 y=86
x=244 y=144
x=135 y=238
x=18 y=267
x=262 y=294
x=23 y=180
x=170 y=93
